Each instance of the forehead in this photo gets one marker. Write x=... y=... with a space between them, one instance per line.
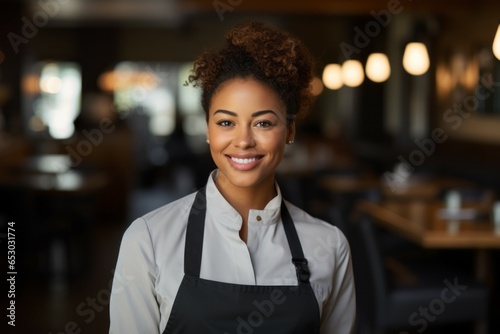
x=242 y=94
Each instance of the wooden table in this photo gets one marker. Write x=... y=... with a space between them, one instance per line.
x=419 y=222
x=63 y=209
x=346 y=184
x=423 y=187
x=416 y=187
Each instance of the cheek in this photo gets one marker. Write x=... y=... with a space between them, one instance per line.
x=219 y=139
x=272 y=142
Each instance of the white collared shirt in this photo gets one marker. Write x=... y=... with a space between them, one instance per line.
x=150 y=264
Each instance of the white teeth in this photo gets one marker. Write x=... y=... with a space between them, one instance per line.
x=243 y=161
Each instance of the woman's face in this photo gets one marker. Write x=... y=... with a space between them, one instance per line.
x=248 y=131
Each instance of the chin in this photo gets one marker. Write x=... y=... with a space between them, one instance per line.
x=246 y=179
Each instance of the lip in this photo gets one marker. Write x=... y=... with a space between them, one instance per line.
x=244 y=166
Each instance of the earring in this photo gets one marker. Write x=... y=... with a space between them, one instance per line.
x=208 y=141
x=290 y=142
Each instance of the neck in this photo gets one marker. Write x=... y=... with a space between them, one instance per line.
x=245 y=199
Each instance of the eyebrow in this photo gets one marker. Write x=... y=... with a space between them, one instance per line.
x=255 y=114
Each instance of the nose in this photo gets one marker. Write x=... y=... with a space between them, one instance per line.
x=244 y=138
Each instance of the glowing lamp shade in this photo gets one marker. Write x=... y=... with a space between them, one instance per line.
x=316 y=86
x=416 y=58
x=378 y=68
x=496 y=44
x=332 y=76
x=352 y=73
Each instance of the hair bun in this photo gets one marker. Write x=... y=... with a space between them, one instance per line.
x=275 y=57
x=278 y=53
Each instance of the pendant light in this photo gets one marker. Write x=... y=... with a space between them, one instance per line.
x=416 y=58
x=352 y=73
x=496 y=44
x=316 y=86
x=378 y=68
x=332 y=76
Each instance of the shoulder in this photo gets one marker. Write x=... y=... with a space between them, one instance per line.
x=164 y=220
x=315 y=232
x=176 y=209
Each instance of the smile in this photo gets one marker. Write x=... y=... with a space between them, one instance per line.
x=244 y=161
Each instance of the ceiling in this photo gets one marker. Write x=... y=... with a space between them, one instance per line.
x=173 y=11
x=337 y=7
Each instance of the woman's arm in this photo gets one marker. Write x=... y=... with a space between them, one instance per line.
x=133 y=305
x=339 y=310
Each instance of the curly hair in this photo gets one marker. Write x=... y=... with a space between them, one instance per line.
x=254 y=50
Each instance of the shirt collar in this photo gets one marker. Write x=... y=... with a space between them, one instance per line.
x=222 y=212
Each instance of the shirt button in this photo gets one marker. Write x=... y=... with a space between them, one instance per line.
x=259 y=218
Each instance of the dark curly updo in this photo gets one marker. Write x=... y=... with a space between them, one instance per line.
x=254 y=50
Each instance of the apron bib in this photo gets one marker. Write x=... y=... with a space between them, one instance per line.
x=204 y=307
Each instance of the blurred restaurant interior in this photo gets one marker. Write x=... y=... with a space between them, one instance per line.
x=400 y=149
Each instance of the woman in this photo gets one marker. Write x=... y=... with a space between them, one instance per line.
x=235 y=257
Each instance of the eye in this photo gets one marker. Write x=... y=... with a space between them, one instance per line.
x=224 y=123
x=263 y=124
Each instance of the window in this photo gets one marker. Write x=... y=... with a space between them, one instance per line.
x=51 y=99
x=147 y=89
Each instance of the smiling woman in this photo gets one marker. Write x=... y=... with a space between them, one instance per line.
x=247 y=131
x=235 y=257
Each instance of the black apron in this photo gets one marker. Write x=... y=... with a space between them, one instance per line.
x=204 y=306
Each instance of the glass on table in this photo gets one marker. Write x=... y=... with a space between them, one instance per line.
x=453 y=202
x=496 y=217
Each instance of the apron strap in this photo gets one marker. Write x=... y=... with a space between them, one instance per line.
x=298 y=259
x=194 y=239
x=194 y=235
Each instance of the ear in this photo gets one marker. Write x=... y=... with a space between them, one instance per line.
x=291 y=133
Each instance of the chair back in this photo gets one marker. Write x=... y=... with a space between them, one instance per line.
x=369 y=273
